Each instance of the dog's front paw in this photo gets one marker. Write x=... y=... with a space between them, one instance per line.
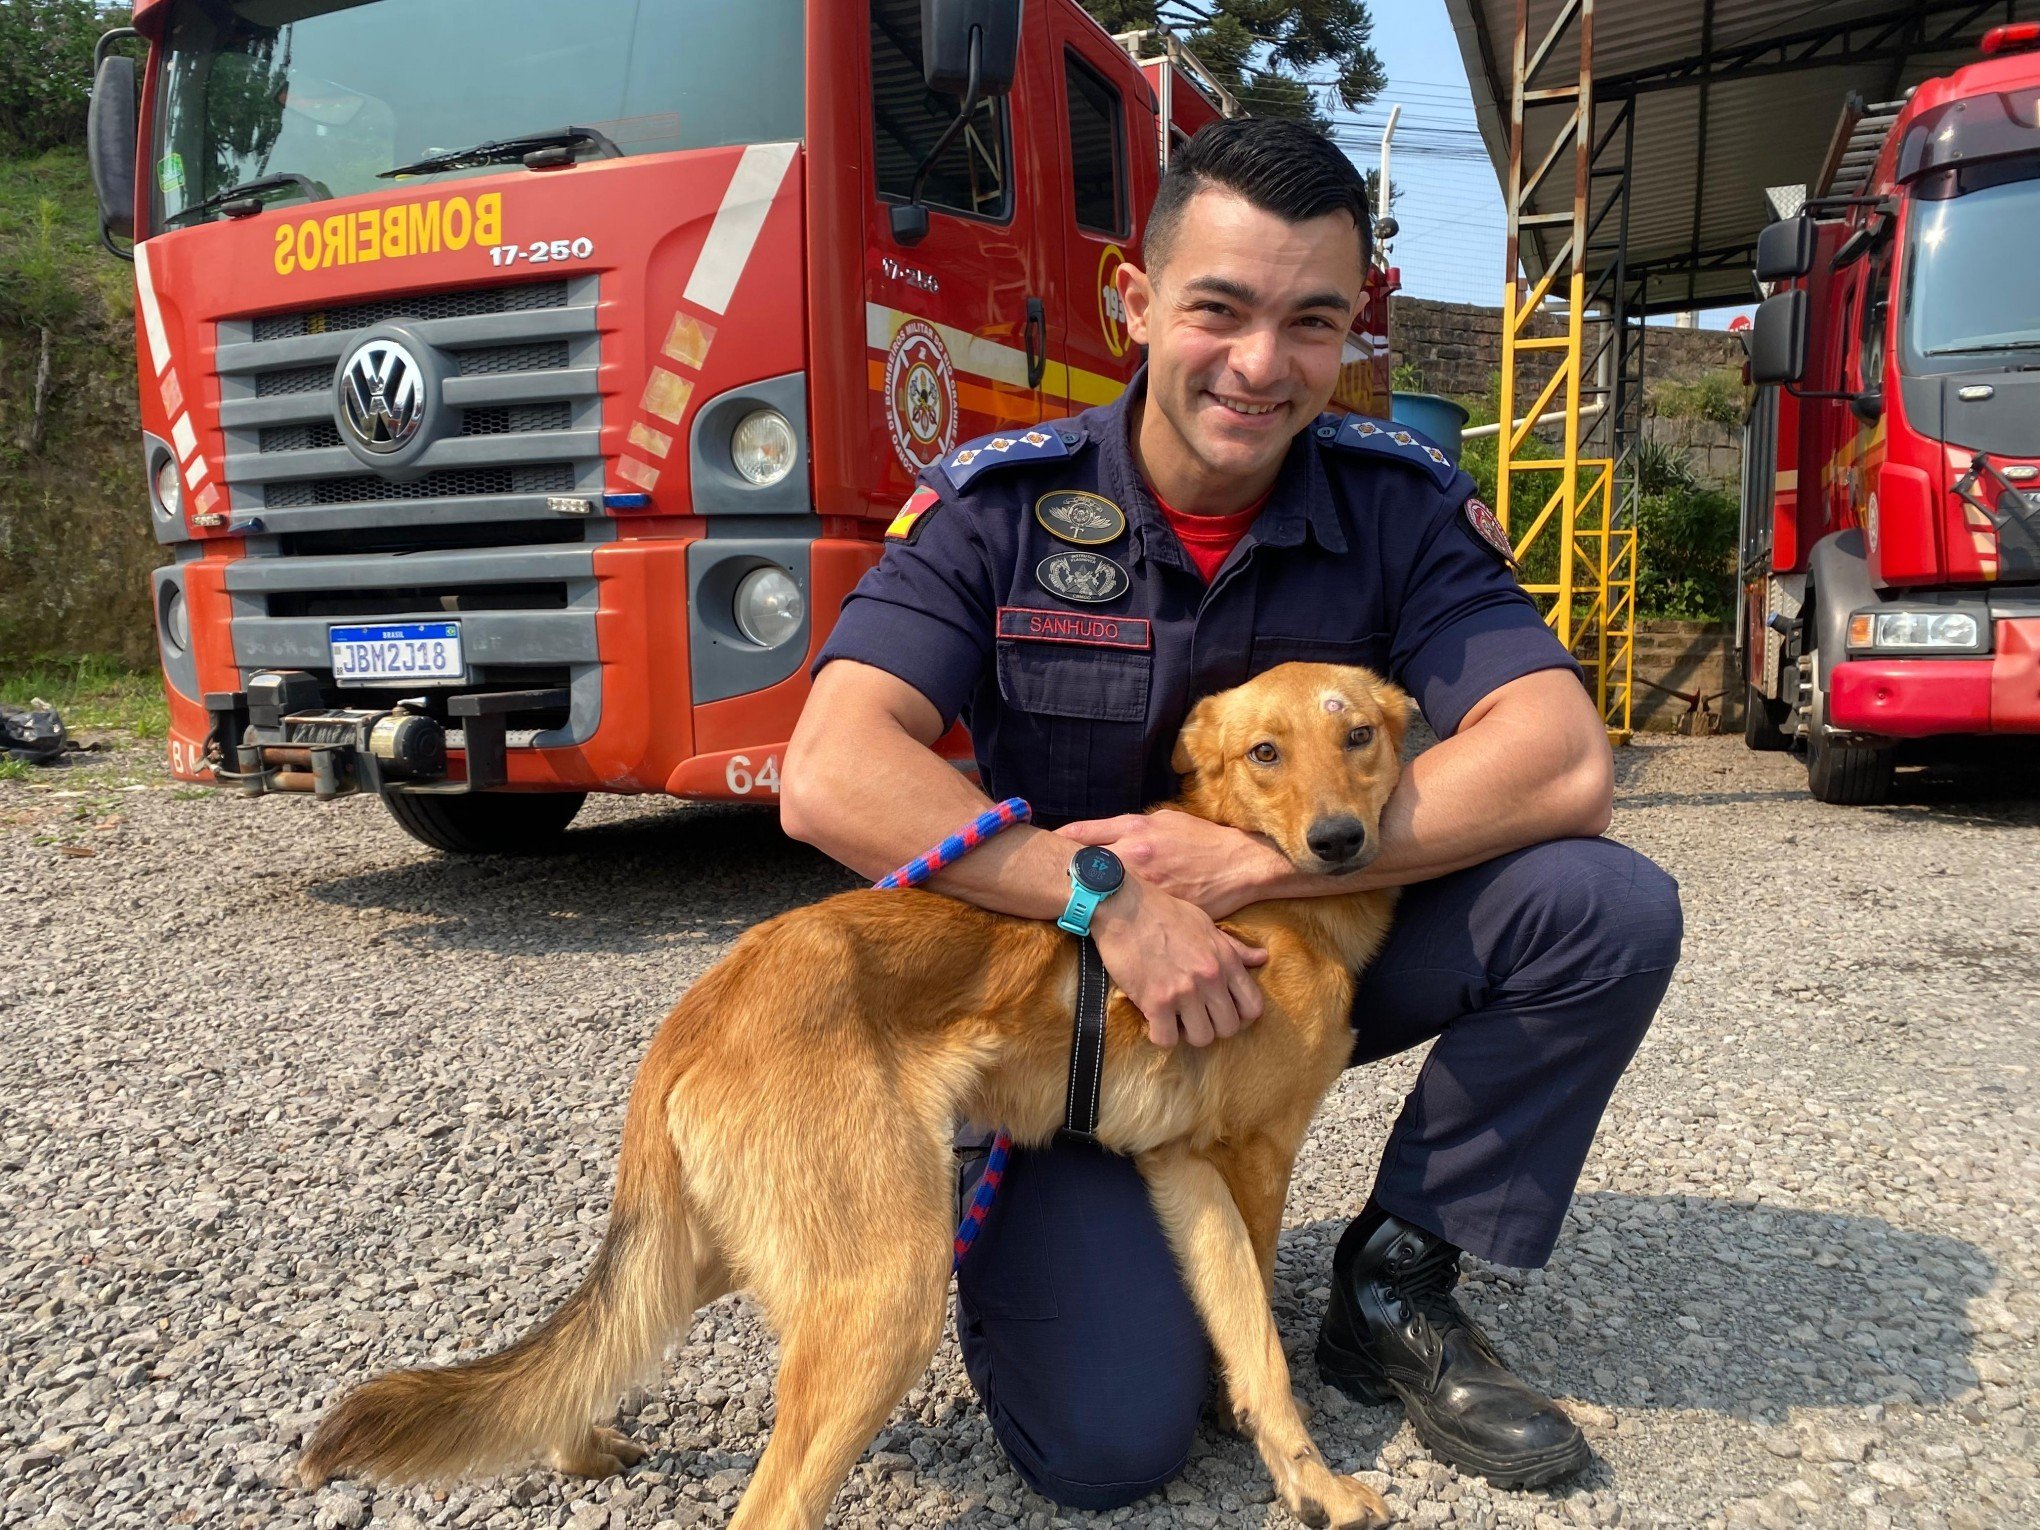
x=604 y=1453
x=1345 y=1504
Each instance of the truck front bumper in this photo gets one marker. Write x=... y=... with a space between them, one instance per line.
x=1922 y=697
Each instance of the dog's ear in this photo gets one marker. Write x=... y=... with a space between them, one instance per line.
x=1197 y=744
x=1397 y=708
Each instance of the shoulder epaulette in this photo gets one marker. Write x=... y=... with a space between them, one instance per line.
x=1042 y=443
x=1384 y=438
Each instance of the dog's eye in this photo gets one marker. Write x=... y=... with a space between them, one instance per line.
x=1264 y=754
x=1360 y=737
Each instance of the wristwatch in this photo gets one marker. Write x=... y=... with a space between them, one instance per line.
x=1095 y=875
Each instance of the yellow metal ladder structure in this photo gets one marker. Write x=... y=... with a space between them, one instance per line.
x=1576 y=550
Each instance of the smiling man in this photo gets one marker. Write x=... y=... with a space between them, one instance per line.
x=1070 y=592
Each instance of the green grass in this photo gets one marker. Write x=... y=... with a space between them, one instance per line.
x=93 y=694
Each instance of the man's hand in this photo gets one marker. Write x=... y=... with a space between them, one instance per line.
x=1220 y=869
x=1183 y=973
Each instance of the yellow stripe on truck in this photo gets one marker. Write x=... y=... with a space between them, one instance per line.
x=397 y=232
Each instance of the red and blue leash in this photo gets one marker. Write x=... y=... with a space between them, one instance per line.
x=915 y=872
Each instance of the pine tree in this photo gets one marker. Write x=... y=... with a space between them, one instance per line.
x=1271 y=54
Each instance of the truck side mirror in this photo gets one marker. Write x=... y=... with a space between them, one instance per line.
x=1785 y=250
x=111 y=124
x=1778 y=338
x=946 y=28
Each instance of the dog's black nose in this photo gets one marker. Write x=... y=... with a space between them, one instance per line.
x=1334 y=840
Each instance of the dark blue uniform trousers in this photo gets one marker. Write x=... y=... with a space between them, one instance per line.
x=1538 y=974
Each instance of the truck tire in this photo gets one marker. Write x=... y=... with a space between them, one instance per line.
x=1764 y=720
x=487 y=823
x=1847 y=775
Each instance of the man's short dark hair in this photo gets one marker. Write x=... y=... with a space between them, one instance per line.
x=1280 y=166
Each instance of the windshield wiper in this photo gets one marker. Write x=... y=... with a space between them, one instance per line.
x=499 y=151
x=1966 y=348
x=245 y=199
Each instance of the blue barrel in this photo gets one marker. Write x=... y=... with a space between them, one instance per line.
x=1439 y=418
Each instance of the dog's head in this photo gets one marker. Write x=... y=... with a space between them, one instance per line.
x=1306 y=754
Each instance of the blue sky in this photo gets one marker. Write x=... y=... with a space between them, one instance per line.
x=1448 y=200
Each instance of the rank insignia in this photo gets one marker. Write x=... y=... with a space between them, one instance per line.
x=1000 y=444
x=1035 y=438
x=907 y=524
x=1083 y=576
x=1488 y=528
x=1073 y=515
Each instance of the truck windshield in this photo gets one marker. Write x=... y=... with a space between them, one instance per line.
x=338 y=91
x=1968 y=301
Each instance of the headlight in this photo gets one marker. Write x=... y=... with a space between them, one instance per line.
x=1913 y=629
x=176 y=622
x=169 y=492
x=769 y=607
x=762 y=447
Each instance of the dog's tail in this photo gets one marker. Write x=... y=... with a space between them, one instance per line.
x=538 y=1398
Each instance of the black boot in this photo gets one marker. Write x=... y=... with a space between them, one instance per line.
x=1394 y=1331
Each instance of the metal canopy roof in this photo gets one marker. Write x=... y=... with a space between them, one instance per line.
x=1730 y=97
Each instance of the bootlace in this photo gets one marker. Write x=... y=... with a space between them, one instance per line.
x=1426 y=1283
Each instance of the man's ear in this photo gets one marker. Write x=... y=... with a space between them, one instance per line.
x=1137 y=296
x=1197 y=745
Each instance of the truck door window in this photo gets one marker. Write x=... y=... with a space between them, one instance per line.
x=1097 y=149
x=1876 y=307
x=907 y=118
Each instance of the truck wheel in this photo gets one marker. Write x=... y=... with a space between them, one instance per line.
x=1764 y=720
x=487 y=823
x=1848 y=775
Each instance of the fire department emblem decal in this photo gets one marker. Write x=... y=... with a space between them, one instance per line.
x=1085 y=576
x=920 y=395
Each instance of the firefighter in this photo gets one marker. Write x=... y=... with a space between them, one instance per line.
x=1212 y=523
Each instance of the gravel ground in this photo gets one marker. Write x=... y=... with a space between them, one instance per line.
x=290 y=1099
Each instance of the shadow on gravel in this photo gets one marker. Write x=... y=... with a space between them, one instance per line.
x=1671 y=1302
x=630 y=885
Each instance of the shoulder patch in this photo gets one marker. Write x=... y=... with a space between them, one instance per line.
x=1384 y=438
x=1486 y=525
x=1040 y=443
x=906 y=526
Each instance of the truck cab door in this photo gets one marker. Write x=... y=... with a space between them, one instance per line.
x=956 y=328
x=1105 y=154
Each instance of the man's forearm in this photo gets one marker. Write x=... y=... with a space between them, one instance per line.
x=1506 y=780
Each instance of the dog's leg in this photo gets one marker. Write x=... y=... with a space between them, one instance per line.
x=1217 y=1257
x=848 y=1351
x=1256 y=1170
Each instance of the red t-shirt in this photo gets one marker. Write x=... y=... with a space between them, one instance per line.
x=1209 y=539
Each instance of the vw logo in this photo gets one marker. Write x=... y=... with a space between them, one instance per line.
x=382 y=397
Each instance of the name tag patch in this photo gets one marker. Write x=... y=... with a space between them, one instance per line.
x=1074 y=627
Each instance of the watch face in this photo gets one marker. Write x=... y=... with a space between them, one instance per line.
x=1098 y=869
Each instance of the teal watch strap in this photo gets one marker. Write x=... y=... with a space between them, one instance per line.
x=1076 y=917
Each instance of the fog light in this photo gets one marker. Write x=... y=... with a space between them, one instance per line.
x=769 y=607
x=169 y=503
x=176 y=622
x=1919 y=629
x=762 y=447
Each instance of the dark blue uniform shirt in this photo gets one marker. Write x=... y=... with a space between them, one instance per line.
x=1074 y=662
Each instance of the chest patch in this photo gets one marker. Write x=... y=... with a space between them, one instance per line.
x=1488 y=528
x=1073 y=515
x=1074 y=627
x=1083 y=576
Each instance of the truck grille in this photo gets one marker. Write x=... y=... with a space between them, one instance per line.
x=472 y=535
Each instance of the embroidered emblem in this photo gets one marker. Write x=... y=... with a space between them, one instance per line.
x=1089 y=520
x=1000 y=444
x=1402 y=438
x=1489 y=530
x=907 y=524
x=1085 y=576
x=1435 y=455
x=1036 y=438
x=965 y=457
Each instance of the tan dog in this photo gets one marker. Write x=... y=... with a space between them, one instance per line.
x=789 y=1134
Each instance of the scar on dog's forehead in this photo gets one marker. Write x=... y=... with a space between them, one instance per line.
x=1332 y=702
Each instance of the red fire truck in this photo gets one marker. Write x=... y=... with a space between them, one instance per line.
x=1891 y=505
x=525 y=385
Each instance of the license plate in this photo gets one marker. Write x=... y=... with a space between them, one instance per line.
x=400 y=652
